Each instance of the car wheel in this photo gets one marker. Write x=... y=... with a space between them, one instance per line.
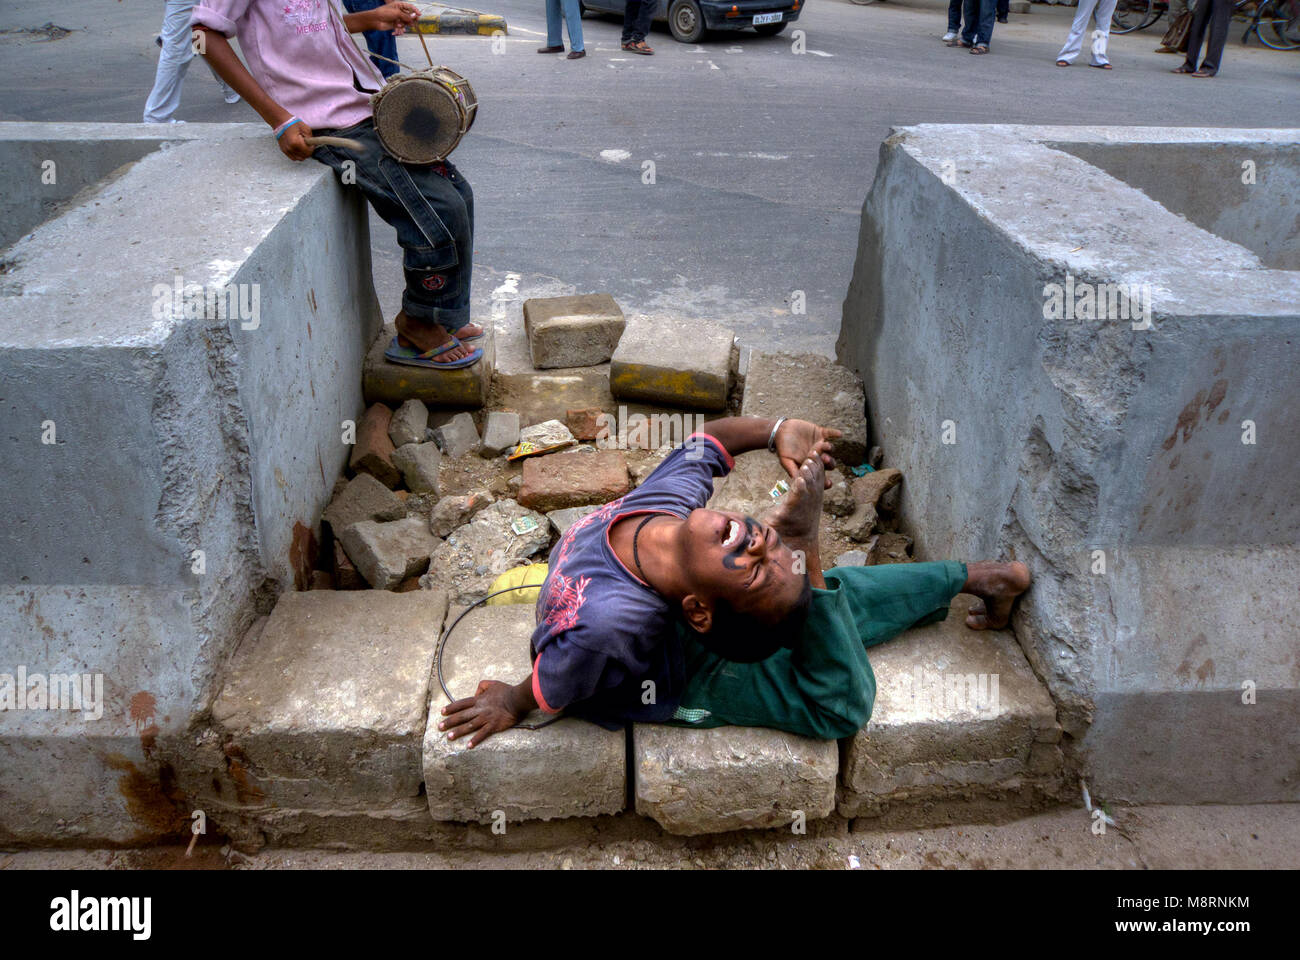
x=770 y=29
x=685 y=21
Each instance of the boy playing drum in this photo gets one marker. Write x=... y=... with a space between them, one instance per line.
x=305 y=76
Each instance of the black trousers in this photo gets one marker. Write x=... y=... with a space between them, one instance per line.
x=636 y=19
x=1218 y=14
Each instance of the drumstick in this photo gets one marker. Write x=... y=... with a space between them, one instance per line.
x=344 y=142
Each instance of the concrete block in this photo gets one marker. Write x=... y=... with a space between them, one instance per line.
x=458 y=436
x=731 y=778
x=409 y=423
x=570 y=768
x=373 y=451
x=957 y=711
x=673 y=362
x=500 y=433
x=419 y=464
x=362 y=498
x=579 y=331
x=541 y=395
x=810 y=387
x=562 y=520
x=559 y=480
x=1019 y=6
x=388 y=553
x=327 y=707
x=549 y=433
x=394 y=383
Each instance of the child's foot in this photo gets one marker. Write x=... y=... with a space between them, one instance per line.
x=996 y=585
x=797 y=515
x=425 y=337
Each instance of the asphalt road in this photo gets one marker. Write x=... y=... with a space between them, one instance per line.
x=762 y=156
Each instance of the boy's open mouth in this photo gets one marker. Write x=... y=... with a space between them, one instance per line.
x=732 y=532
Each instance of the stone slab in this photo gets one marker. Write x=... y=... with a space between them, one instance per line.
x=673 y=362
x=393 y=383
x=731 y=778
x=570 y=768
x=809 y=387
x=578 y=331
x=957 y=710
x=327 y=706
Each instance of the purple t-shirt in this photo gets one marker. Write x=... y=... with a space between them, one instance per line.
x=602 y=632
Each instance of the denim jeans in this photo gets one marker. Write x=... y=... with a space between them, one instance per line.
x=432 y=209
x=954 y=15
x=381 y=42
x=572 y=17
x=637 y=17
x=979 y=21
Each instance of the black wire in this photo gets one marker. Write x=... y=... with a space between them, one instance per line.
x=437 y=656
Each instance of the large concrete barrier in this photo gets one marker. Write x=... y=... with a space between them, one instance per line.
x=1080 y=345
x=180 y=343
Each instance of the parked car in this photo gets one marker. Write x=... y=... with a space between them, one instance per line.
x=689 y=19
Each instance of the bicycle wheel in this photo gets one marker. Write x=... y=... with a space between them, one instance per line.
x=1277 y=26
x=1132 y=15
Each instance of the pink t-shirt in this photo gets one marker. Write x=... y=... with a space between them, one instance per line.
x=301 y=55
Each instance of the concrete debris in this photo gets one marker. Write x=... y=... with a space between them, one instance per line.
x=546 y=434
x=458 y=436
x=500 y=433
x=388 y=553
x=362 y=498
x=474 y=555
x=373 y=450
x=419 y=465
x=409 y=423
x=452 y=512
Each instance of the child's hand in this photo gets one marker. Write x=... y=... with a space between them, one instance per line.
x=293 y=142
x=493 y=708
x=797 y=440
x=395 y=15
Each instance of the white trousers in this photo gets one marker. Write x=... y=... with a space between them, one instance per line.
x=173 y=62
x=1103 y=9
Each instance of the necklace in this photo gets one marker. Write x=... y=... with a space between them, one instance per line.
x=636 y=558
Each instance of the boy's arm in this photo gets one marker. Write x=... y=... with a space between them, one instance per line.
x=495 y=706
x=394 y=15
x=218 y=52
x=795 y=442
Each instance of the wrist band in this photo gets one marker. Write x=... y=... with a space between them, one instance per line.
x=771 y=440
x=279 y=131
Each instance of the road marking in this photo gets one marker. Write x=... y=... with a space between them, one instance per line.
x=614 y=156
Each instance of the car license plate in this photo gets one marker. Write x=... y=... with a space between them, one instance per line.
x=766 y=18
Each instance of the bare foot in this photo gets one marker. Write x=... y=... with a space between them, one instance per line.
x=996 y=585
x=469 y=330
x=428 y=336
x=798 y=514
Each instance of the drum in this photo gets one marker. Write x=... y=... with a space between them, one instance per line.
x=420 y=117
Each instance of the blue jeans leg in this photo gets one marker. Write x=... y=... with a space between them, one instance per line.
x=954 y=15
x=979 y=16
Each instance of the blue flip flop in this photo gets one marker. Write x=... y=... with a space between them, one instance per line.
x=412 y=357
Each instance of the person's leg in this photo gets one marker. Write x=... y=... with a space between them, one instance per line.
x=1003 y=9
x=645 y=18
x=1105 y=10
x=554 y=38
x=631 y=13
x=433 y=215
x=573 y=21
x=1195 y=35
x=984 y=33
x=173 y=62
x=970 y=16
x=381 y=42
x=1074 y=41
x=1220 y=16
x=954 y=19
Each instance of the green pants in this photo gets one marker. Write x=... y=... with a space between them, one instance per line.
x=824 y=688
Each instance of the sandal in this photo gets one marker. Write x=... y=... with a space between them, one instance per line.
x=1203 y=73
x=979 y=48
x=1101 y=66
x=1062 y=63
x=1182 y=68
x=412 y=357
x=640 y=47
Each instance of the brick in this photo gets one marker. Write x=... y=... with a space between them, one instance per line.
x=346 y=575
x=326 y=708
x=388 y=553
x=570 y=768
x=579 y=331
x=458 y=436
x=409 y=423
x=809 y=387
x=584 y=424
x=383 y=381
x=673 y=362
x=362 y=498
x=560 y=480
x=419 y=465
x=927 y=739
x=730 y=778
x=500 y=433
x=870 y=488
x=373 y=451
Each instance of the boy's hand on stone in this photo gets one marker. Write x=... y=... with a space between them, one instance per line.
x=493 y=708
x=798 y=440
x=293 y=142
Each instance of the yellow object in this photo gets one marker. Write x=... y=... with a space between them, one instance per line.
x=532 y=575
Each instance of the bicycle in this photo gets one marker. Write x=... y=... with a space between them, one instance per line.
x=1276 y=23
